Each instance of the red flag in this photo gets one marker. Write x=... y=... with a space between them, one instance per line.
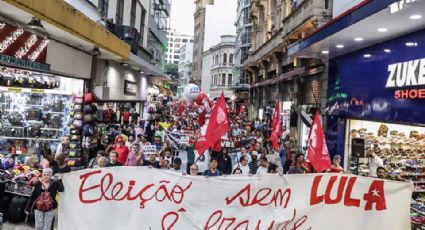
x=318 y=153
x=217 y=146
x=182 y=107
x=219 y=123
x=201 y=144
x=274 y=137
x=201 y=119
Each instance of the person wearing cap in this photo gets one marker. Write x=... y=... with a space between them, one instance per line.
x=121 y=149
x=253 y=165
x=44 y=218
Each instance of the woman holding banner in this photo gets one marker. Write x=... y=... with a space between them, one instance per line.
x=43 y=200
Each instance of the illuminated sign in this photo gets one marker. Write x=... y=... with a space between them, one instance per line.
x=397 y=6
x=405 y=74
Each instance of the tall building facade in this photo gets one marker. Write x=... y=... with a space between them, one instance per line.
x=274 y=74
x=185 y=64
x=218 y=68
x=199 y=37
x=159 y=13
x=242 y=47
x=175 y=42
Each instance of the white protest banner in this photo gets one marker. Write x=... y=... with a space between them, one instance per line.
x=149 y=149
x=146 y=198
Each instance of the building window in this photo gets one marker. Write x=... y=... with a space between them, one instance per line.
x=231 y=58
x=223 y=79
x=176 y=62
x=176 y=56
x=229 y=79
x=171 y=44
x=103 y=7
x=119 y=13
x=142 y=24
x=224 y=58
x=184 y=40
x=133 y=13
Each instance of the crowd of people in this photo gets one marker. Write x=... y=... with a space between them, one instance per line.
x=148 y=143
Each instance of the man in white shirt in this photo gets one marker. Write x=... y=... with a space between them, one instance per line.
x=243 y=165
x=374 y=163
x=264 y=164
x=244 y=153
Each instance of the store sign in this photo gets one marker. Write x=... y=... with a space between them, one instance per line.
x=23 y=63
x=400 y=5
x=19 y=44
x=130 y=87
x=145 y=198
x=405 y=74
x=388 y=86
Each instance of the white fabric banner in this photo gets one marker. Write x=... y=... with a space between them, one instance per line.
x=146 y=198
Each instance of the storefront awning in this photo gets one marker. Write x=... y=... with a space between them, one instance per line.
x=368 y=23
x=148 y=68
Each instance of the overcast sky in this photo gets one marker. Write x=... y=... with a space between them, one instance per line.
x=220 y=19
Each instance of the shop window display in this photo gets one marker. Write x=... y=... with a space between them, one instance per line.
x=402 y=149
x=35 y=109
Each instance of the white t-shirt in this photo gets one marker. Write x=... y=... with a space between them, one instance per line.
x=374 y=163
x=247 y=156
x=262 y=170
x=245 y=169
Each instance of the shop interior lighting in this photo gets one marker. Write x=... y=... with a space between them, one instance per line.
x=387 y=50
x=367 y=55
x=415 y=16
x=340 y=46
x=325 y=51
x=382 y=30
x=411 y=44
x=2 y=25
x=124 y=64
x=358 y=39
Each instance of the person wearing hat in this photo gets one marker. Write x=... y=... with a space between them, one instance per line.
x=44 y=213
x=254 y=164
x=121 y=149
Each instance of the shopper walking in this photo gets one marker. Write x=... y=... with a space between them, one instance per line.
x=42 y=200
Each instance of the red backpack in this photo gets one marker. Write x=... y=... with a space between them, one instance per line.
x=44 y=202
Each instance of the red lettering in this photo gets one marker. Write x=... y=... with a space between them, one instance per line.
x=348 y=201
x=82 y=190
x=341 y=186
x=209 y=225
x=413 y=94
x=422 y=93
x=375 y=196
x=118 y=191
x=397 y=94
x=404 y=94
x=173 y=221
x=278 y=198
x=314 y=199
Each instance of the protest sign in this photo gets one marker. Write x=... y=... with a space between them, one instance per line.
x=145 y=198
x=149 y=149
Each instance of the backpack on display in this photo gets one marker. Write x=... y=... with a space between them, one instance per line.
x=78 y=108
x=78 y=100
x=88 y=98
x=44 y=202
x=76 y=131
x=77 y=123
x=74 y=152
x=88 y=130
x=75 y=137
x=88 y=118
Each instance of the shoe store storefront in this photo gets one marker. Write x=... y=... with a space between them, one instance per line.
x=375 y=104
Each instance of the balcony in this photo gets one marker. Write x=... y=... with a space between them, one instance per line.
x=273 y=43
x=163 y=6
x=308 y=10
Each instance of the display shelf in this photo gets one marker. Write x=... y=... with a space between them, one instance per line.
x=418 y=211
x=29 y=138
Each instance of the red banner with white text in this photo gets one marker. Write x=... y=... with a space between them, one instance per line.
x=146 y=198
